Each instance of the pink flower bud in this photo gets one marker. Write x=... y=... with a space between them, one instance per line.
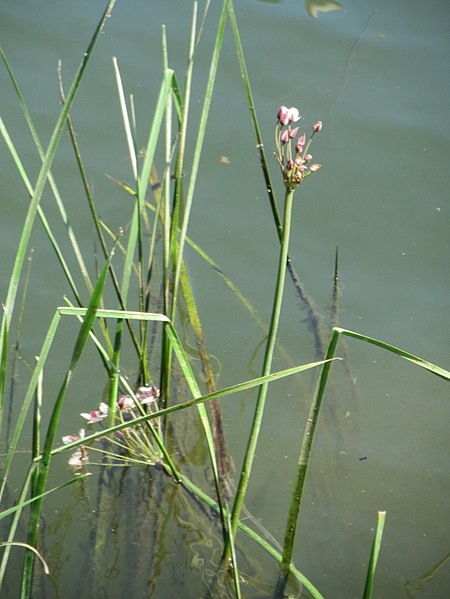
x=284 y=137
x=300 y=142
x=317 y=127
x=283 y=115
x=308 y=157
x=293 y=132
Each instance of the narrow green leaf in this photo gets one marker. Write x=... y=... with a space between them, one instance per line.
x=22 y=504
x=441 y=372
x=116 y=314
x=222 y=394
x=91 y=314
x=374 y=556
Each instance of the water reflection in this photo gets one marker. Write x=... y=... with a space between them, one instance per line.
x=314 y=7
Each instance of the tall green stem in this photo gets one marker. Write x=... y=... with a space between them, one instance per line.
x=268 y=357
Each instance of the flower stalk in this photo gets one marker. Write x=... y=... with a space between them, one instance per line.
x=294 y=167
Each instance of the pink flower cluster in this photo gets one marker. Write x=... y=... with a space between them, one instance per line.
x=293 y=155
x=125 y=406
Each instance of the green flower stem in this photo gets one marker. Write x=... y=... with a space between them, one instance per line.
x=268 y=357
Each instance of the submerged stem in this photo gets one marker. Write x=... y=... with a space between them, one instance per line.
x=268 y=357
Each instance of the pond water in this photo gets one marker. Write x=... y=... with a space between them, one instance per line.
x=375 y=72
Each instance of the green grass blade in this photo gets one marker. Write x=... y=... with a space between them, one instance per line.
x=115 y=314
x=91 y=314
x=25 y=503
x=374 y=556
x=437 y=370
x=252 y=109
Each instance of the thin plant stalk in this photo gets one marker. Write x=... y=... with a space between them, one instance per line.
x=268 y=357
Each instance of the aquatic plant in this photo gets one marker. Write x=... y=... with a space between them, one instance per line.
x=133 y=423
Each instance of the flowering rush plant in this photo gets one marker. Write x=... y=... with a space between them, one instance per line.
x=131 y=441
x=292 y=149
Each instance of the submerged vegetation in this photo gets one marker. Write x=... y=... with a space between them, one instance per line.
x=134 y=423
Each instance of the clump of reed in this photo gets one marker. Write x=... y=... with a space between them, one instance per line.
x=130 y=426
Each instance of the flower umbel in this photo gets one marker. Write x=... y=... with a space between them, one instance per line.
x=293 y=155
x=134 y=443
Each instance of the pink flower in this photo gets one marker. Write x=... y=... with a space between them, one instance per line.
x=283 y=115
x=125 y=402
x=72 y=438
x=80 y=456
x=317 y=126
x=293 y=132
x=288 y=115
x=293 y=115
x=96 y=415
x=147 y=395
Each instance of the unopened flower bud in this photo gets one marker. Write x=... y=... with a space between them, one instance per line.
x=293 y=132
x=308 y=157
x=284 y=137
x=314 y=167
x=317 y=126
x=300 y=142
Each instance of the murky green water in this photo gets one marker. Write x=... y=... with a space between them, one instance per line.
x=376 y=74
